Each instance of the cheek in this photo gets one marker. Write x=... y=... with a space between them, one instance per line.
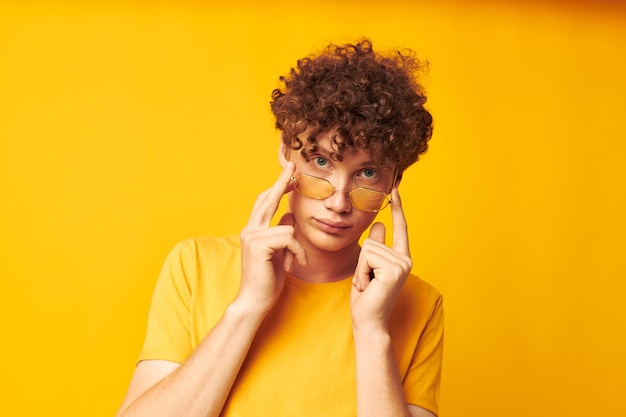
x=365 y=220
x=297 y=202
x=290 y=198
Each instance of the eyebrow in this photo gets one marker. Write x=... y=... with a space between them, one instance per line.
x=327 y=152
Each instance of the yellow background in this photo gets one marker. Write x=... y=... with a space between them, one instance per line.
x=128 y=126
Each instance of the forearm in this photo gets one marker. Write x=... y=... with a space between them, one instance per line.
x=379 y=387
x=200 y=386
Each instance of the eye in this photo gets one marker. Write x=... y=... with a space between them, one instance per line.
x=321 y=162
x=369 y=174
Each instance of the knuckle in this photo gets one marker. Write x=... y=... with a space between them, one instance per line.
x=244 y=237
x=405 y=263
x=247 y=235
x=409 y=264
x=397 y=269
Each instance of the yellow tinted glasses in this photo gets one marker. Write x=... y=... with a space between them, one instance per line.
x=361 y=198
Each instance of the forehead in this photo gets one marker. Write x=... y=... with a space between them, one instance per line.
x=331 y=144
x=350 y=155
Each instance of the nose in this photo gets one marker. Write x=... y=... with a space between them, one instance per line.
x=340 y=200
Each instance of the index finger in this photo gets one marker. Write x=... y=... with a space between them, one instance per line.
x=400 y=230
x=268 y=201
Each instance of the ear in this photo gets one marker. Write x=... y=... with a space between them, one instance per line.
x=282 y=152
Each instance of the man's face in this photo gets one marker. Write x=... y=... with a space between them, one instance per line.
x=333 y=223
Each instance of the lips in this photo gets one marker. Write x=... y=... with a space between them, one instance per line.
x=332 y=227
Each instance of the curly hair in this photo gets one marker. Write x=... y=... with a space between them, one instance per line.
x=363 y=99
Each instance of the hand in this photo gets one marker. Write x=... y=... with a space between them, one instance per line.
x=381 y=271
x=267 y=252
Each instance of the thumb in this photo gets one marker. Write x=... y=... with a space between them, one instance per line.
x=377 y=232
x=287 y=220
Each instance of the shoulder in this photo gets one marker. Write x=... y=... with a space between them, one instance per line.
x=418 y=298
x=417 y=288
x=201 y=265
x=198 y=248
x=191 y=259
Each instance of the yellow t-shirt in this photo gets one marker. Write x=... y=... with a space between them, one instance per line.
x=302 y=361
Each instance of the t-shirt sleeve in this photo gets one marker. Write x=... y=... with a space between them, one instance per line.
x=168 y=332
x=424 y=377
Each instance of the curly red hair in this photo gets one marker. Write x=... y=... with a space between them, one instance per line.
x=363 y=99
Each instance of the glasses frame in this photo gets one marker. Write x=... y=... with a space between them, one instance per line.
x=387 y=196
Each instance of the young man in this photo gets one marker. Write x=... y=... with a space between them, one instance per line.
x=297 y=319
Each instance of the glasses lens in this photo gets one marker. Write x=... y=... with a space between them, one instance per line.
x=361 y=198
x=313 y=187
x=368 y=200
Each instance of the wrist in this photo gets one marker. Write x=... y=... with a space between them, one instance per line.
x=245 y=309
x=369 y=324
x=372 y=335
